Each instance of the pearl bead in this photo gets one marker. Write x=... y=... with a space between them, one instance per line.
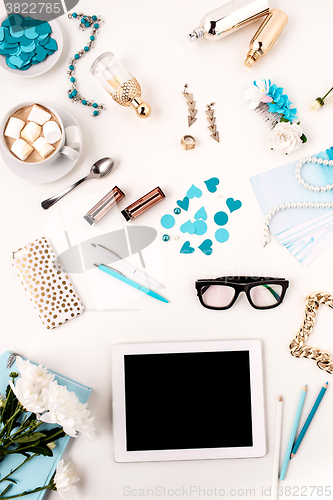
x=305 y=205
x=299 y=205
x=298 y=165
x=325 y=162
x=330 y=163
x=320 y=161
x=293 y=205
x=302 y=161
x=314 y=159
x=317 y=189
x=271 y=212
x=265 y=234
x=276 y=209
x=310 y=205
x=311 y=188
x=301 y=182
x=322 y=205
x=265 y=241
x=165 y=237
x=323 y=189
x=176 y=211
x=316 y=205
x=282 y=207
x=306 y=185
x=308 y=159
x=297 y=171
x=268 y=217
x=328 y=205
x=328 y=187
x=176 y=237
x=287 y=205
x=298 y=177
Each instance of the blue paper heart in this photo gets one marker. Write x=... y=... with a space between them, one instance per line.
x=186 y=248
x=194 y=192
x=184 y=203
x=201 y=214
x=212 y=184
x=187 y=227
x=206 y=247
x=200 y=227
x=233 y=204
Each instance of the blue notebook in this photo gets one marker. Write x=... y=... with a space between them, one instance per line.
x=39 y=470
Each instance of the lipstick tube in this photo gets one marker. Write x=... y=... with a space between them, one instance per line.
x=140 y=206
x=97 y=213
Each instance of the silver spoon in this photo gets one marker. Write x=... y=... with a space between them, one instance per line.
x=99 y=169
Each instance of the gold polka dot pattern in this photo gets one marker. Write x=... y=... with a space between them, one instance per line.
x=127 y=92
x=47 y=284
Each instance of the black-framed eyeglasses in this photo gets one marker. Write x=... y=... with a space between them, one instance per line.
x=222 y=293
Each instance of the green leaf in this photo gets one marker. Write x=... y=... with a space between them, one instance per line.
x=298 y=123
x=303 y=138
x=28 y=439
x=11 y=481
x=283 y=119
x=43 y=450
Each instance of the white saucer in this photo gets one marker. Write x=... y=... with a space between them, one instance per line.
x=42 y=67
x=40 y=174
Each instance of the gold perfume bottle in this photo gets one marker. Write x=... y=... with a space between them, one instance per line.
x=266 y=35
x=121 y=85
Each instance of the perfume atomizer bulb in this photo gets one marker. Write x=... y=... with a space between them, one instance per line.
x=119 y=83
x=228 y=18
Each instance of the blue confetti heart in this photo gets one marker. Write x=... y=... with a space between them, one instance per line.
x=187 y=227
x=194 y=192
x=233 y=204
x=212 y=184
x=184 y=203
x=200 y=227
x=206 y=247
x=201 y=214
x=186 y=248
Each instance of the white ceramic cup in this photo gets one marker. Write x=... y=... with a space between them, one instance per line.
x=69 y=153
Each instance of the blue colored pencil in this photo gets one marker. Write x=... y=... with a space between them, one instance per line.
x=293 y=434
x=309 y=419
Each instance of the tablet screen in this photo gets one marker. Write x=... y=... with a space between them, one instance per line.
x=188 y=400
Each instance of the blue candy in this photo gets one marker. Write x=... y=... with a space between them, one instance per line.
x=25 y=41
x=13 y=19
x=44 y=29
x=17 y=31
x=31 y=33
x=51 y=44
x=2 y=33
x=43 y=41
x=29 y=48
x=41 y=54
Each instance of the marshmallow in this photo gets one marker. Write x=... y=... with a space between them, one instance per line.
x=51 y=131
x=21 y=149
x=31 y=132
x=42 y=147
x=14 y=127
x=72 y=137
x=38 y=115
x=70 y=153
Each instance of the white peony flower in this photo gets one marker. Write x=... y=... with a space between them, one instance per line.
x=65 y=479
x=65 y=409
x=286 y=137
x=257 y=93
x=29 y=386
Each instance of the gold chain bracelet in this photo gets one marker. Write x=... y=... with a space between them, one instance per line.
x=298 y=347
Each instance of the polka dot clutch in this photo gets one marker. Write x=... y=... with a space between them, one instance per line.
x=47 y=283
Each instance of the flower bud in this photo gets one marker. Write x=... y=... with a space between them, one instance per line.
x=51 y=445
x=317 y=104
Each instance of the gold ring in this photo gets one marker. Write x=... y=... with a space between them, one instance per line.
x=188 y=142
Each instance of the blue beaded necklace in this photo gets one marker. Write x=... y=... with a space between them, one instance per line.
x=85 y=22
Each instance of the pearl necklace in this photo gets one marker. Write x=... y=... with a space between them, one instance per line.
x=304 y=184
x=85 y=22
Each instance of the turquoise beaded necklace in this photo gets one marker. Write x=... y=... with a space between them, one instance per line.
x=85 y=22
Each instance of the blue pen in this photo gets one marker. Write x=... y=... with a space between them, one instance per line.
x=308 y=420
x=119 y=276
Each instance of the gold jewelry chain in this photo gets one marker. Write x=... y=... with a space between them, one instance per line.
x=298 y=347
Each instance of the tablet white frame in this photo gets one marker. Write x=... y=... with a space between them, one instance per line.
x=257 y=401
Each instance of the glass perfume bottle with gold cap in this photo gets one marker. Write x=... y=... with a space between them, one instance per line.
x=121 y=85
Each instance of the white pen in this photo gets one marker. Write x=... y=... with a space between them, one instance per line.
x=126 y=265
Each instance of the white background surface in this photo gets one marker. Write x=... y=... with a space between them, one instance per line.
x=150 y=38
